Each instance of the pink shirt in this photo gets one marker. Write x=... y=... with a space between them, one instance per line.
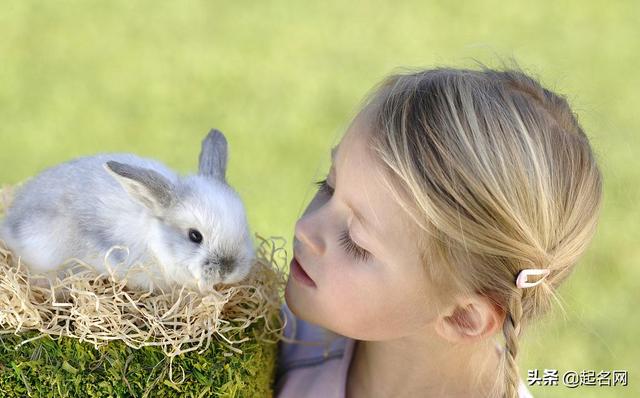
x=318 y=370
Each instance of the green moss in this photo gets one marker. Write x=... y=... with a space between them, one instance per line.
x=66 y=367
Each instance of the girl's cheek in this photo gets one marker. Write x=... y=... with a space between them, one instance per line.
x=350 y=278
x=334 y=274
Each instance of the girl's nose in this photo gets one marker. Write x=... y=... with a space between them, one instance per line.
x=308 y=231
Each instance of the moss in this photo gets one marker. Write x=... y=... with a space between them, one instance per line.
x=67 y=367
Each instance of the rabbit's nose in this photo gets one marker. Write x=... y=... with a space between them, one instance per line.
x=227 y=264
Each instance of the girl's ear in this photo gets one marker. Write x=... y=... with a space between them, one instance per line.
x=470 y=319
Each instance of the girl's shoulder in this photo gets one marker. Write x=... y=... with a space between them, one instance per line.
x=306 y=343
x=309 y=354
x=312 y=361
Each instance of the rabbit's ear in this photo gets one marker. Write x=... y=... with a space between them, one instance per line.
x=145 y=185
x=213 y=155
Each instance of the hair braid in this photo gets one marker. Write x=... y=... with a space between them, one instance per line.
x=511 y=331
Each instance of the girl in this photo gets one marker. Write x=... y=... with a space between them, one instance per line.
x=457 y=202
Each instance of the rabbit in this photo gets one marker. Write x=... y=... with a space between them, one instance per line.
x=193 y=229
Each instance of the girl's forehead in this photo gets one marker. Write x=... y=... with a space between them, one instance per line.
x=355 y=139
x=361 y=186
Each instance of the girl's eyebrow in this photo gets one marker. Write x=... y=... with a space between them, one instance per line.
x=362 y=220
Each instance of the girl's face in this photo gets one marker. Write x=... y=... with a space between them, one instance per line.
x=357 y=246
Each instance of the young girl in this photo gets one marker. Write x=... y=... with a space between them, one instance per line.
x=456 y=204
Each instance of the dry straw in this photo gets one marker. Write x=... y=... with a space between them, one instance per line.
x=98 y=308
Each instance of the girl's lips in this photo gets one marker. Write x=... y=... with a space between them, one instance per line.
x=299 y=274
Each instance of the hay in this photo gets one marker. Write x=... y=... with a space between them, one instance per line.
x=99 y=308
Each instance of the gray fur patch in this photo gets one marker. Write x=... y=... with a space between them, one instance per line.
x=15 y=227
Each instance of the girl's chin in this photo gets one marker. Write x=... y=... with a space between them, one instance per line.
x=291 y=291
x=297 y=298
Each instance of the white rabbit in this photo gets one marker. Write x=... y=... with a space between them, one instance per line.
x=193 y=228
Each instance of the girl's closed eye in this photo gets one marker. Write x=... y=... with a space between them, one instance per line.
x=345 y=240
x=324 y=187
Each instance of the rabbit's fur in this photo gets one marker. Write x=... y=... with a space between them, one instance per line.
x=82 y=208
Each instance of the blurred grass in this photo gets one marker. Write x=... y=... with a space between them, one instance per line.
x=282 y=80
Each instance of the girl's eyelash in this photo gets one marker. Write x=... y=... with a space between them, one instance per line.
x=324 y=187
x=353 y=249
x=345 y=240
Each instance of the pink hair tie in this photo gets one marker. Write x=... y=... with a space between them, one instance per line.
x=521 y=281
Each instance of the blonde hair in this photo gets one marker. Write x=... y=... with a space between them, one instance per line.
x=499 y=175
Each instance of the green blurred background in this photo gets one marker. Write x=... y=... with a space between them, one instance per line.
x=282 y=80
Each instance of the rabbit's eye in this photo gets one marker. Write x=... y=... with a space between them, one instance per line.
x=195 y=235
